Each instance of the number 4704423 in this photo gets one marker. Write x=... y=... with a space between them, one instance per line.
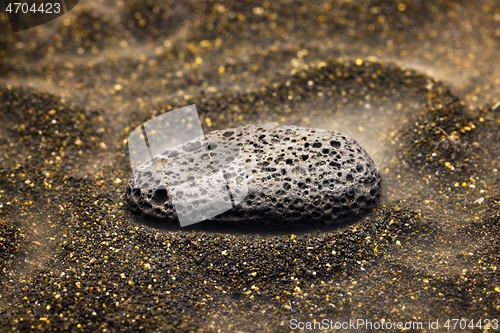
x=25 y=8
x=485 y=324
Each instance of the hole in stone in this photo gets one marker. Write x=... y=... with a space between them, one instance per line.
x=160 y=196
x=173 y=154
x=335 y=144
x=137 y=194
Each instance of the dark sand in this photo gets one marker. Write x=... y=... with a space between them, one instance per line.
x=417 y=84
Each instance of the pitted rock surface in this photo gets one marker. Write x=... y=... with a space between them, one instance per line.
x=292 y=174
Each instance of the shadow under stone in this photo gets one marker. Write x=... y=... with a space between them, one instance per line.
x=262 y=228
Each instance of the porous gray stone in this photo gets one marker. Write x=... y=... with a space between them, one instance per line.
x=293 y=175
